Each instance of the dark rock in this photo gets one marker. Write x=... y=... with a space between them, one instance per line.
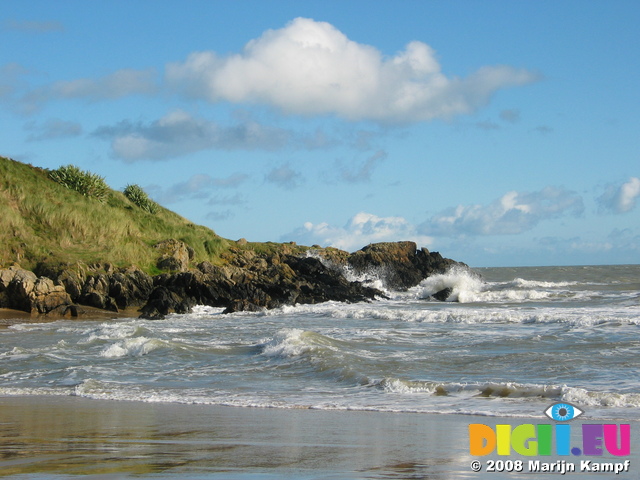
x=443 y=294
x=130 y=288
x=163 y=301
x=242 y=306
x=248 y=281
x=398 y=264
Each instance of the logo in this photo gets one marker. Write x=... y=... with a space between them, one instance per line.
x=551 y=439
x=563 y=412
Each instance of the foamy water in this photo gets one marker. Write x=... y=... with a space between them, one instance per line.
x=506 y=342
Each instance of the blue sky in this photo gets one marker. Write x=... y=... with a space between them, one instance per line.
x=496 y=132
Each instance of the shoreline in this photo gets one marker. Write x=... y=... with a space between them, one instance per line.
x=9 y=316
x=49 y=437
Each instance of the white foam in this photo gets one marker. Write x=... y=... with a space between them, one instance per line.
x=585 y=397
x=373 y=277
x=286 y=343
x=464 y=284
x=132 y=347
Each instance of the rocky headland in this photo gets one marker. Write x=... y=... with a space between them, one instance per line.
x=70 y=244
x=245 y=281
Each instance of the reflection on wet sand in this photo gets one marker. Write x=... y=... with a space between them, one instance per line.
x=48 y=436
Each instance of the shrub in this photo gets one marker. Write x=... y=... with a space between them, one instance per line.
x=139 y=197
x=84 y=182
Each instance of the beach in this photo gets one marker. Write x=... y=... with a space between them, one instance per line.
x=47 y=437
x=59 y=437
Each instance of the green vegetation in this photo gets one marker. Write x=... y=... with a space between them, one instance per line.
x=52 y=223
x=86 y=183
x=139 y=197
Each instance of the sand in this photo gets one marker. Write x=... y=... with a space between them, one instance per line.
x=10 y=316
x=58 y=437
x=49 y=437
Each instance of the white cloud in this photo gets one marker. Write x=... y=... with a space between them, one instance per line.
x=622 y=198
x=312 y=68
x=511 y=214
x=362 y=229
x=178 y=133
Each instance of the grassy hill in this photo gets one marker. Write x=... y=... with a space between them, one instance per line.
x=42 y=221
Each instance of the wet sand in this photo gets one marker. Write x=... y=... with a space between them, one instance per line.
x=56 y=437
x=9 y=316
x=49 y=437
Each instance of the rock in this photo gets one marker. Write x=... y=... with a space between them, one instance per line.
x=398 y=264
x=130 y=287
x=242 y=306
x=175 y=255
x=248 y=281
x=24 y=290
x=163 y=301
x=95 y=293
x=443 y=294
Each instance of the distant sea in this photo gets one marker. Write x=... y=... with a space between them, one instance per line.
x=508 y=342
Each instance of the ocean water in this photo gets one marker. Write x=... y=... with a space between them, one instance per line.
x=508 y=342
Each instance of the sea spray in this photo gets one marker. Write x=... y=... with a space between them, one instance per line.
x=464 y=284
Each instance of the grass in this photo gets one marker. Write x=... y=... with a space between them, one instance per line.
x=44 y=222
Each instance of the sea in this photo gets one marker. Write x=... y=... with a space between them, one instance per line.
x=508 y=342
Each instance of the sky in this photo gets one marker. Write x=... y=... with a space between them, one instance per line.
x=499 y=133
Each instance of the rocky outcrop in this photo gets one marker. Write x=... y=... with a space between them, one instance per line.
x=252 y=282
x=104 y=286
x=400 y=265
x=248 y=281
x=261 y=282
x=23 y=290
x=174 y=255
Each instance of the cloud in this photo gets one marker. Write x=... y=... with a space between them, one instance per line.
x=53 y=129
x=511 y=214
x=620 y=199
x=363 y=172
x=200 y=185
x=311 y=68
x=284 y=177
x=236 y=199
x=362 y=229
x=178 y=133
x=543 y=129
x=33 y=26
x=510 y=116
x=487 y=125
x=11 y=77
x=118 y=84
x=220 y=216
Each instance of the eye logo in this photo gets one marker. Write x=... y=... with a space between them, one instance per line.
x=563 y=412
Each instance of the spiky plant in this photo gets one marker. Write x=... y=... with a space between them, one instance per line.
x=139 y=197
x=84 y=182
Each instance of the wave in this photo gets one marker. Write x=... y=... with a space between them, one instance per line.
x=493 y=399
x=467 y=286
x=326 y=356
x=398 y=311
x=135 y=347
